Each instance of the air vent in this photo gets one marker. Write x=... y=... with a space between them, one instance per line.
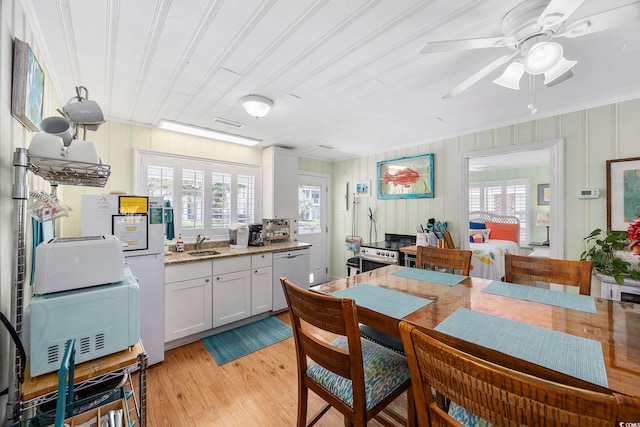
x=53 y=354
x=231 y=123
x=100 y=341
x=85 y=345
x=328 y=147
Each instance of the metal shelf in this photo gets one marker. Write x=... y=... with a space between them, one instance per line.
x=64 y=172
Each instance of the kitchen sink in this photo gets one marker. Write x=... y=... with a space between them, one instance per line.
x=203 y=253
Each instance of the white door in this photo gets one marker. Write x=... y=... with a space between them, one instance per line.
x=313 y=226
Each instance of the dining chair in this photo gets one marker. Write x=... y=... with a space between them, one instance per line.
x=526 y=270
x=482 y=392
x=454 y=259
x=357 y=377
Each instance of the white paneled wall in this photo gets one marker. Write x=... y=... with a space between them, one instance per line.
x=590 y=138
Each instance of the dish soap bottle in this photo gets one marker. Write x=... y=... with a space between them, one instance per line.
x=179 y=244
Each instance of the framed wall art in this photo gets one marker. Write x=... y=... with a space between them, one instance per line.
x=363 y=188
x=623 y=192
x=406 y=177
x=544 y=194
x=27 y=89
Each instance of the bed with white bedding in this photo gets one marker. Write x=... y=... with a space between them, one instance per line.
x=491 y=237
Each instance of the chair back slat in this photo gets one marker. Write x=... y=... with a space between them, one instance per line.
x=526 y=270
x=501 y=395
x=455 y=259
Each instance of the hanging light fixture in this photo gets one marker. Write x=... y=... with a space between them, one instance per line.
x=257 y=106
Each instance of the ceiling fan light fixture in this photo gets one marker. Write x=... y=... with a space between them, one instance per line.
x=257 y=106
x=542 y=57
x=560 y=69
x=511 y=76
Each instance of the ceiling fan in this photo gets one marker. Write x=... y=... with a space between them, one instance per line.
x=529 y=29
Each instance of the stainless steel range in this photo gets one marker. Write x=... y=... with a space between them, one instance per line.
x=381 y=254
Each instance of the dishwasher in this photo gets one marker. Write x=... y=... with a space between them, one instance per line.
x=295 y=265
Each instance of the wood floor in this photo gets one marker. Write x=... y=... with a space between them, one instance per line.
x=260 y=389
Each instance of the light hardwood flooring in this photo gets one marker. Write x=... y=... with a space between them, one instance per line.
x=189 y=389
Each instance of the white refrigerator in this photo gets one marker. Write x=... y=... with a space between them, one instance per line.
x=138 y=222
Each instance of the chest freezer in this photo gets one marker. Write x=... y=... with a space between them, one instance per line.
x=103 y=320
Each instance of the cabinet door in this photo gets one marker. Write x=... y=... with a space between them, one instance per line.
x=231 y=297
x=280 y=183
x=187 y=308
x=261 y=290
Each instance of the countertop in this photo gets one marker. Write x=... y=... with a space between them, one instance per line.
x=225 y=251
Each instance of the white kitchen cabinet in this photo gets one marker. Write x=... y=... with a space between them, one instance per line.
x=188 y=299
x=261 y=283
x=279 y=183
x=231 y=290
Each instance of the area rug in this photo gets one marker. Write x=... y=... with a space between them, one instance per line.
x=238 y=342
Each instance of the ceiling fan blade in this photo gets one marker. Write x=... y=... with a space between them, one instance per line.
x=511 y=76
x=479 y=75
x=603 y=21
x=558 y=71
x=447 y=45
x=558 y=11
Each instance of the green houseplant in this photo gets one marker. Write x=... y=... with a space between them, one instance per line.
x=604 y=252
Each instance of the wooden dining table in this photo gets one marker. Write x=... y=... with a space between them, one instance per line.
x=615 y=325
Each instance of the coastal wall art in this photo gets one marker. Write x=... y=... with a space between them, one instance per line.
x=406 y=178
x=27 y=88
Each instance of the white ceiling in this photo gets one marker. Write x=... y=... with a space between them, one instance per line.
x=344 y=74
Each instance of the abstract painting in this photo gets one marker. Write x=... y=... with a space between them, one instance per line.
x=28 y=87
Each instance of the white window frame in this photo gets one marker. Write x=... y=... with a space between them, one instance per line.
x=144 y=158
x=524 y=214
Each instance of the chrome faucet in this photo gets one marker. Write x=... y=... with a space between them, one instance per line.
x=199 y=240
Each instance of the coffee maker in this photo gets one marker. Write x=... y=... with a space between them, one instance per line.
x=255 y=235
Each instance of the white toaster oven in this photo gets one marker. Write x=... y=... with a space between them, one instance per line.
x=67 y=263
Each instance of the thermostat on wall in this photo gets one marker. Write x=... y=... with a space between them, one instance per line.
x=589 y=194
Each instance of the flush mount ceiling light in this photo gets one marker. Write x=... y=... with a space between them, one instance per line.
x=256 y=105
x=208 y=133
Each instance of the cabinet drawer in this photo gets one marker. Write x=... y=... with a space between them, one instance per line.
x=229 y=265
x=261 y=260
x=188 y=271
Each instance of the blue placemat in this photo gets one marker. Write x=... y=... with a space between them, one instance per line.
x=393 y=303
x=545 y=296
x=575 y=356
x=430 y=276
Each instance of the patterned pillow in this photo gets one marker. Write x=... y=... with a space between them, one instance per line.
x=479 y=236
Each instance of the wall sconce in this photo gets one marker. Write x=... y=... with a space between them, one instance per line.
x=257 y=106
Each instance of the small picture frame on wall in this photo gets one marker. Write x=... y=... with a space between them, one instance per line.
x=623 y=192
x=544 y=194
x=363 y=188
x=27 y=89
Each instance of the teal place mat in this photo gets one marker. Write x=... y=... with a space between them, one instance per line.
x=430 y=276
x=393 y=303
x=238 y=342
x=575 y=356
x=545 y=296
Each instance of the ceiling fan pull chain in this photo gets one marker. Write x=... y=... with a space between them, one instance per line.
x=532 y=94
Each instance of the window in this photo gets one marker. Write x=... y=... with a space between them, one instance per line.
x=508 y=197
x=207 y=196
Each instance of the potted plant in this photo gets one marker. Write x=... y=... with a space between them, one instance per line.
x=609 y=254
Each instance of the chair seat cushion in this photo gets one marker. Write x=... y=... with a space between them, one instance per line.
x=384 y=371
x=465 y=417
